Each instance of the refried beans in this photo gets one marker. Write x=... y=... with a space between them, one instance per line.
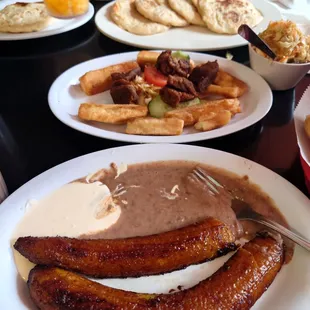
x=160 y=196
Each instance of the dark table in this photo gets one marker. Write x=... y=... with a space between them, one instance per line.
x=32 y=140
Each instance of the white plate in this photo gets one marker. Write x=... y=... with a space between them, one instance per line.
x=65 y=96
x=192 y=38
x=57 y=26
x=291 y=287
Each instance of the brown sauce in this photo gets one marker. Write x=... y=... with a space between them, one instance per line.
x=160 y=196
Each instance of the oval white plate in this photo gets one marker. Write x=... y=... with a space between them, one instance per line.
x=65 y=96
x=290 y=289
x=57 y=26
x=192 y=38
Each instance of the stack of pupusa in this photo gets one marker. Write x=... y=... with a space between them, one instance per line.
x=146 y=17
x=24 y=17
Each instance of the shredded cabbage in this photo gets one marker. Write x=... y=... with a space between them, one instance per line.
x=229 y=56
x=145 y=90
x=287 y=41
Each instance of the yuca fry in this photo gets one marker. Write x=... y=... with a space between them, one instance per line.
x=150 y=58
x=98 y=81
x=147 y=58
x=196 y=111
x=111 y=113
x=225 y=79
x=155 y=126
x=225 y=91
x=213 y=120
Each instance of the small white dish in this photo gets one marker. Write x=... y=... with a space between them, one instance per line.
x=280 y=76
x=57 y=26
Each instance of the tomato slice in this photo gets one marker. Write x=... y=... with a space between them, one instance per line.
x=153 y=76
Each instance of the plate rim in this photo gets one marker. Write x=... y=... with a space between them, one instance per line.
x=107 y=6
x=82 y=20
x=123 y=137
x=20 y=194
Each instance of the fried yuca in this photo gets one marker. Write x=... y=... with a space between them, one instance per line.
x=213 y=120
x=155 y=126
x=224 y=91
x=98 y=81
x=111 y=113
x=225 y=79
x=190 y=115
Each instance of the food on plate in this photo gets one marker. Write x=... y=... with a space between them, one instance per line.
x=111 y=113
x=132 y=257
x=125 y=15
x=123 y=91
x=192 y=114
x=155 y=126
x=236 y=285
x=226 y=91
x=195 y=3
x=98 y=81
x=227 y=16
x=67 y=8
x=166 y=84
x=150 y=58
x=24 y=17
x=307 y=125
x=144 y=17
x=225 y=79
x=166 y=219
x=213 y=120
x=159 y=11
x=147 y=58
x=287 y=41
x=187 y=10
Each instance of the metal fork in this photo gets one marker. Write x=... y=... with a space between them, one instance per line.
x=243 y=210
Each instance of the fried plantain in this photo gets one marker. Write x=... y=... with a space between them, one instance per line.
x=132 y=257
x=236 y=285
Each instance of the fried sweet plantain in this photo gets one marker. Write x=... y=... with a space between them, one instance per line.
x=237 y=285
x=132 y=257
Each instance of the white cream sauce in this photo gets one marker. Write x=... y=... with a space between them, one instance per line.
x=122 y=168
x=73 y=210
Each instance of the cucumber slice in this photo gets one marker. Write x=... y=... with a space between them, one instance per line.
x=180 y=55
x=158 y=108
x=189 y=103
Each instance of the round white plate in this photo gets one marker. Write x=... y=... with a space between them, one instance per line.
x=57 y=25
x=65 y=96
x=191 y=38
x=290 y=290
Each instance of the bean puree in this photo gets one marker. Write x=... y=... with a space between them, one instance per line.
x=160 y=196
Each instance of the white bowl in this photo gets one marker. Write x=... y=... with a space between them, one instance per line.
x=280 y=76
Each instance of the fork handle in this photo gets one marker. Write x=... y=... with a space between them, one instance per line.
x=289 y=233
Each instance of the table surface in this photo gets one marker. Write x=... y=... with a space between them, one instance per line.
x=32 y=140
